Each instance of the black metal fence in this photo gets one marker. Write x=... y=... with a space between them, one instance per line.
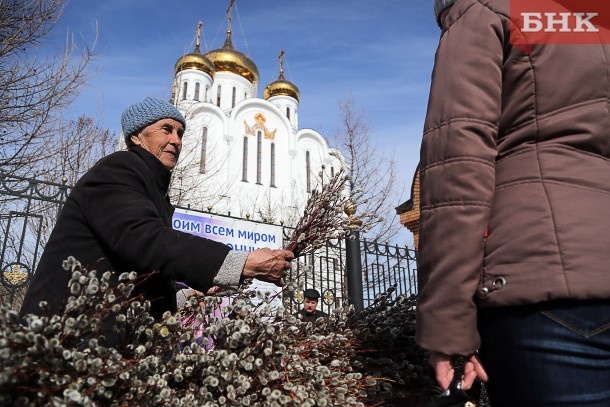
x=29 y=209
x=381 y=267
x=384 y=266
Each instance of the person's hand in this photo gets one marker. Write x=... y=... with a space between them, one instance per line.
x=443 y=366
x=268 y=265
x=213 y=290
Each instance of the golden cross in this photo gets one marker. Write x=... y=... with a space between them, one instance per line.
x=198 y=36
x=281 y=63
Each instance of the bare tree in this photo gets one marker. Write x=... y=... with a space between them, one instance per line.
x=77 y=145
x=34 y=88
x=375 y=185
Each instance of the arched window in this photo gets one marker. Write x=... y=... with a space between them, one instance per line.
x=184 y=87
x=233 y=97
x=288 y=112
x=259 y=155
x=308 y=171
x=196 y=97
x=245 y=95
x=218 y=96
x=207 y=92
x=244 y=170
x=332 y=172
x=272 y=183
x=204 y=145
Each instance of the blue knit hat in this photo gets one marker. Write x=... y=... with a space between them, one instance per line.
x=146 y=112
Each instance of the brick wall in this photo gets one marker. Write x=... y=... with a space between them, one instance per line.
x=410 y=217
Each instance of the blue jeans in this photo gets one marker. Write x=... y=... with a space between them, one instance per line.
x=549 y=354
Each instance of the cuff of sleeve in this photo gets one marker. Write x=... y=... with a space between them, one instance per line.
x=182 y=297
x=229 y=275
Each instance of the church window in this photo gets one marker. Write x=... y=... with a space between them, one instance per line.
x=332 y=172
x=207 y=92
x=233 y=97
x=288 y=112
x=308 y=170
x=184 y=87
x=244 y=170
x=272 y=183
x=204 y=145
x=245 y=95
x=259 y=155
x=218 y=96
x=197 y=85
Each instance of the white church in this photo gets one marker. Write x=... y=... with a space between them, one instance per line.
x=244 y=155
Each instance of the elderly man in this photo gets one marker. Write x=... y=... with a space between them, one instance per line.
x=309 y=313
x=118 y=217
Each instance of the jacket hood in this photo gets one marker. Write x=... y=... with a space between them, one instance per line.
x=439 y=6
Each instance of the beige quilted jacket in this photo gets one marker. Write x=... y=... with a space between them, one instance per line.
x=516 y=144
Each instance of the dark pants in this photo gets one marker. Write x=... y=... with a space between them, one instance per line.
x=551 y=354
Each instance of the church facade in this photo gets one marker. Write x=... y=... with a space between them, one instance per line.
x=242 y=154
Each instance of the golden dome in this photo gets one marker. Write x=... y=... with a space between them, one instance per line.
x=228 y=59
x=281 y=86
x=195 y=60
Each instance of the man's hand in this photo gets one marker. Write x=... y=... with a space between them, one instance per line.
x=443 y=366
x=268 y=265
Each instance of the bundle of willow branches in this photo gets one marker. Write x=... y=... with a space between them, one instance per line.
x=323 y=218
x=243 y=358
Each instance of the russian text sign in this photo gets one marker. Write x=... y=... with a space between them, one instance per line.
x=239 y=234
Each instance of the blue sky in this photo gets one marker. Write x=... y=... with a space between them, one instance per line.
x=381 y=51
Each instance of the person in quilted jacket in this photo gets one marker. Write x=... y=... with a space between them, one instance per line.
x=514 y=247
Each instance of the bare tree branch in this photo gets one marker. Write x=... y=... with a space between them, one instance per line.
x=34 y=89
x=375 y=185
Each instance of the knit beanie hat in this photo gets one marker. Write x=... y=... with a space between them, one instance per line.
x=439 y=6
x=146 y=112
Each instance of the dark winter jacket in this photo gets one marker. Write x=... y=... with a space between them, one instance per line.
x=118 y=218
x=517 y=144
x=310 y=317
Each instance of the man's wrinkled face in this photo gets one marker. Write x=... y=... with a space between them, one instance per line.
x=163 y=139
x=310 y=305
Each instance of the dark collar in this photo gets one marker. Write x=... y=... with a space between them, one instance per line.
x=160 y=172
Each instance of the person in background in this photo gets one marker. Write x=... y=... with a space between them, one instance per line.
x=309 y=313
x=515 y=211
x=118 y=218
